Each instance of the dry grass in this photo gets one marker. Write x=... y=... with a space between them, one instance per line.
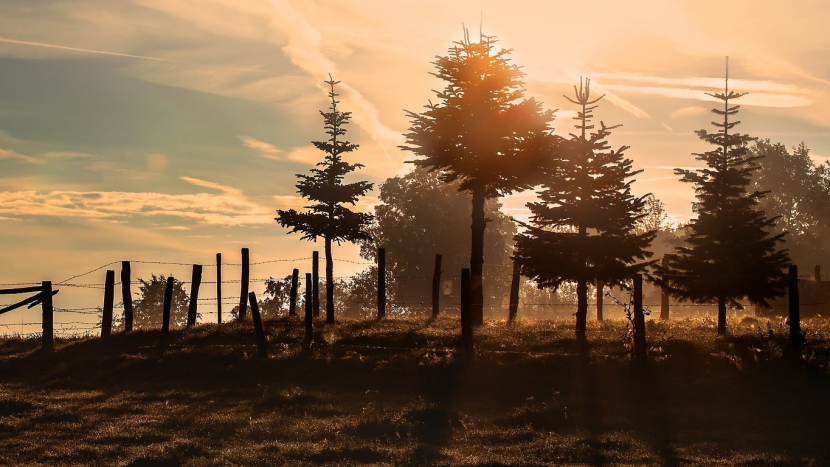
x=396 y=393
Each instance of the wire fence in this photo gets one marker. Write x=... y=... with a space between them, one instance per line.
x=395 y=305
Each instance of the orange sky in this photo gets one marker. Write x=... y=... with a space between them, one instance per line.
x=164 y=129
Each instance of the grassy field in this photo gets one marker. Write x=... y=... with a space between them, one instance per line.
x=397 y=392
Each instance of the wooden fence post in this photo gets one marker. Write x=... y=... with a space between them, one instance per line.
x=514 y=293
x=109 y=298
x=381 y=283
x=165 y=317
x=640 y=354
x=436 y=287
x=308 y=292
x=243 y=292
x=795 y=313
x=818 y=273
x=664 y=295
x=219 y=288
x=315 y=282
x=48 y=323
x=600 y=298
x=195 y=282
x=258 y=331
x=127 y=295
x=466 y=315
x=292 y=298
x=309 y=316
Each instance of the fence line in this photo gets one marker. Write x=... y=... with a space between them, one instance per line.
x=391 y=303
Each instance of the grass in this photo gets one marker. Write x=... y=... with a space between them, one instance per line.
x=398 y=392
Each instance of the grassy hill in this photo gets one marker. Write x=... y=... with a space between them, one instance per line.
x=398 y=392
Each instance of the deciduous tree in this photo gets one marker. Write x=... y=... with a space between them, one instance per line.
x=148 y=309
x=797 y=196
x=418 y=218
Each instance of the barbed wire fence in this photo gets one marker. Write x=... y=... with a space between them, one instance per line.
x=562 y=305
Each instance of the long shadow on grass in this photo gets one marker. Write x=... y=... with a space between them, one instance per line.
x=588 y=391
x=652 y=420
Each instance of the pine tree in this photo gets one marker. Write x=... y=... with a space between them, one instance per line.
x=729 y=253
x=483 y=134
x=328 y=217
x=583 y=229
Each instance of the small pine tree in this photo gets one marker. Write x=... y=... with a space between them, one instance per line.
x=583 y=229
x=483 y=133
x=328 y=217
x=729 y=252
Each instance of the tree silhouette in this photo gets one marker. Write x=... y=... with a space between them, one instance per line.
x=482 y=133
x=583 y=227
x=729 y=252
x=147 y=310
x=418 y=218
x=276 y=296
x=328 y=217
x=798 y=196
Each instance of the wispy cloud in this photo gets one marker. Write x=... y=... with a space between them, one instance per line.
x=90 y=51
x=305 y=49
x=266 y=150
x=309 y=155
x=744 y=85
x=68 y=155
x=614 y=98
x=760 y=99
x=236 y=192
x=14 y=155
x=230 y=208
x=689 y=111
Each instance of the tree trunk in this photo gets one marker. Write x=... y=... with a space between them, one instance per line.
x=581 y=289
x=436 y=286
x=477 y=258
x=315 y=283
x=640 y=353
x=581 y=307
x=329 y=284
x=794 y=319
x=514 y=293
x=721 y=315
x=664 y=295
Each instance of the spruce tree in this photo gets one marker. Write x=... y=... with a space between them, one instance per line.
x=583 y=228
x=328 y=217
x=730 y=253
x=482 y=133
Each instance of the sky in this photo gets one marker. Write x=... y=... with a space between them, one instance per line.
x=171 y=130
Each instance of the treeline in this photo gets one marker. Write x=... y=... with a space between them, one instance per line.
x=482 y=139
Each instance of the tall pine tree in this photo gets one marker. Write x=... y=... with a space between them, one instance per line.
x=328 y=217
x=730 y=253
x=482 y=133
x=583 y=227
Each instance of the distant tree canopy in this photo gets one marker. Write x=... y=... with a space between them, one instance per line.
x=328 y=217
x=148 y=309
x=655 y=218
x=418 y=218
x=729 y=252
x=482 y=133
x=798 y=197
x=582 y=229
x=276 y=296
